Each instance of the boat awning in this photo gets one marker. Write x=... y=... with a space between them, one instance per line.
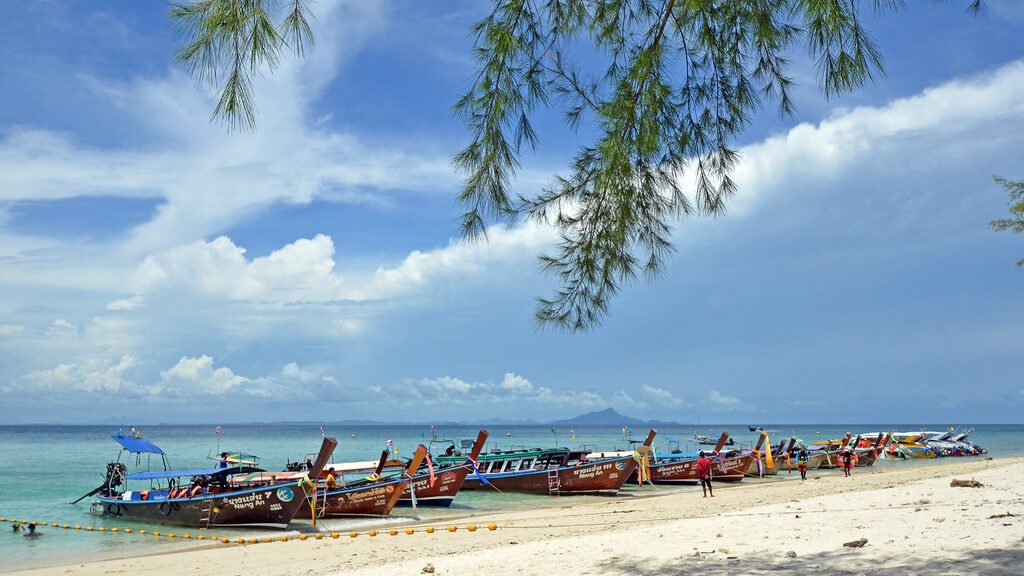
x=136 y=445
x=181 y=473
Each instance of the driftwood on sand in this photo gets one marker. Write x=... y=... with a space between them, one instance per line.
x=972 y=483
x=856 y=543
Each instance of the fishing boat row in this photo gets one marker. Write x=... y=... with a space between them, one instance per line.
x=238 y=491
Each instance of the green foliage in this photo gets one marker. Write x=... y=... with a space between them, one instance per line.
x=680 y=81
x=225 y=41
x=1015 y=223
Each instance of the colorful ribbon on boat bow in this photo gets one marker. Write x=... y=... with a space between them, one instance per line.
x=643 y=468
x=430 y=467
x=412 y=489
x=476 y=471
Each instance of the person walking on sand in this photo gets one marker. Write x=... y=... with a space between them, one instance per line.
x=704 y=472
x=801 y=463
x=847 y=457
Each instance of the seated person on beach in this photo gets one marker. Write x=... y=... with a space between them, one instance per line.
x=31 y=533
x=332 y=483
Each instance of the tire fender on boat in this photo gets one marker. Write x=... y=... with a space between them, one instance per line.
x=165 y=508
x=112 y=509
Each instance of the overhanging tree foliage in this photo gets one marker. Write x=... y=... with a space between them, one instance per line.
x=677 y=82
x=1015 y=223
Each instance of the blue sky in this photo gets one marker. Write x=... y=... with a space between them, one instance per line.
x=154 y=268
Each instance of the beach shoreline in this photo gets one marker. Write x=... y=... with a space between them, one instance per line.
x=911 y=517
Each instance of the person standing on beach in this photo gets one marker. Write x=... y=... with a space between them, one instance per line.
x=847 y=457
x=704 y=472
x=801 y=463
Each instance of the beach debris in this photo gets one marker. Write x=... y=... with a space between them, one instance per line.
x=923 y=501
x=719 y=535
x=723 y=550
x=428 y=569
x=1007 y=515
x=940 y=520
x=855 y=543
x=790 y=554
x=972 y=483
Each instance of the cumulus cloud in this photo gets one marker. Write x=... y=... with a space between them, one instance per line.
x=199 y=375
x=718 y=402
x=513 y=388
x=661 y=396
x=305 y=271
x=94 y=375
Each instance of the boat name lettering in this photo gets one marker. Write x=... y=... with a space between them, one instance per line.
x=591 y=471
x=248 y=501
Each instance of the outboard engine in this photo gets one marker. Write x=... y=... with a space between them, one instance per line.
x=115 y=477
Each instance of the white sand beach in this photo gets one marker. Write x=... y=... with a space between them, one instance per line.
x=913 y=520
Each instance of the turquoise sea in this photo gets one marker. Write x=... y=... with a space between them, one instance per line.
x=42 y=468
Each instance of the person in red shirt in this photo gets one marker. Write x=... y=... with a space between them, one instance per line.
x=704 y=472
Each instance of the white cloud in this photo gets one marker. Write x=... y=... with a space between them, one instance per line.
x=810 y=156
x=661 y=396
x=91 y=376
x=719 y=402
x=513 y=389
x=11 y=329
x=516 y=383
x=198 y=374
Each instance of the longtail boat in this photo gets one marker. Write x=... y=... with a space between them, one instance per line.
x=375 y=496
x=682 y=468
x=439 y=487
x=556 y=472
x=210 y=498
x=759 y=464
x=832 y=450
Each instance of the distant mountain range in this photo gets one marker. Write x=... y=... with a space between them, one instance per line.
x=606 y=417
x=609 y=417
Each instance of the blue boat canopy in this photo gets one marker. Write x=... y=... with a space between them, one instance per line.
x=178 y=473
x=136 y=445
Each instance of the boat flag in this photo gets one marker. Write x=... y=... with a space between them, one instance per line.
x=218 y=430
x=388 y=442
x=322 y=433
x=572 y=434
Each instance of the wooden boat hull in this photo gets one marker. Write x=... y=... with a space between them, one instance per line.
x=866 y=457
x=447 y=483
x=370 y=500
x=598 y=477
x=271 y=506
x=752 y=470
x=685 y=471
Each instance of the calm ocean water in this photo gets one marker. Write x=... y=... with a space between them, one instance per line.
x=42 y=468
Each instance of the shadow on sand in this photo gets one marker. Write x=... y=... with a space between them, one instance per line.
x=993 y=562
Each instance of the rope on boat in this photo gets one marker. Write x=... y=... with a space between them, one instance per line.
x=452 y=528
